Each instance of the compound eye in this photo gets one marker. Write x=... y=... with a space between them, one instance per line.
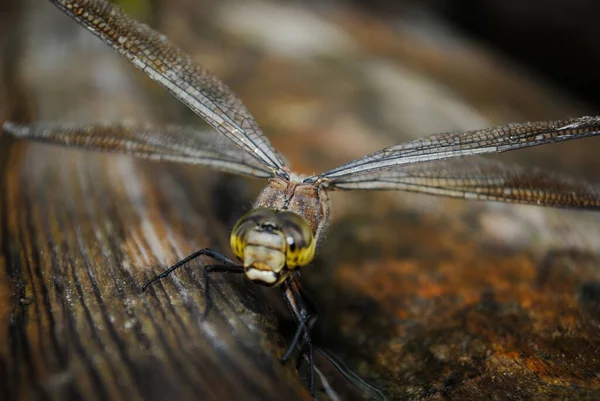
x=299 y=239
x=254 y=218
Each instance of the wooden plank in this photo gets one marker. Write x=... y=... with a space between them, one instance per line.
x=80 y=238
x=424 y=297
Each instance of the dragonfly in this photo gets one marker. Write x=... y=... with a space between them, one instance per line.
x=281 y=234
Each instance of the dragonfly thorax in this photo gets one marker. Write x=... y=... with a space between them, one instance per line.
x=272 y=243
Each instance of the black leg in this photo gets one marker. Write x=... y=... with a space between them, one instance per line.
x=369 y=391
x=206 y=251
x=299 y=331
x=304 y=311
x=301 y=312
x=228 y=266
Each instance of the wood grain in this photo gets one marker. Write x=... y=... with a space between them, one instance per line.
x=80 y=237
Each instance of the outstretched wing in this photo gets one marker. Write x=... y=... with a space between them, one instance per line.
x=481 y=179
x=459 y=144
x=172 y=143
x=168 y=65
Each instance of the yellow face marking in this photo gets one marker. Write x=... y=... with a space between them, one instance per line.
x=237 y=243
x=300 y=250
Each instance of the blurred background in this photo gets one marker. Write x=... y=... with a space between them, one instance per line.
x=423 y=297
x=556 y=41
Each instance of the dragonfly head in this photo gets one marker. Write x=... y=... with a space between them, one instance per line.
x=272 y=243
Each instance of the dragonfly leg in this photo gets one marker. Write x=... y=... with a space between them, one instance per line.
x=206 y=251
x=304 y=313
x=227 y=266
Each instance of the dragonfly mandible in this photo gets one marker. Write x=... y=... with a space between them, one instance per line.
x=281 y=234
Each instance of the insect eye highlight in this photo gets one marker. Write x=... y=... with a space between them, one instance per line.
x=299 y=238
x=291 y=244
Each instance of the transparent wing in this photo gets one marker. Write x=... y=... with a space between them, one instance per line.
x=482 y=179
x=168 y=65
x=172 y=143
x=459 y=144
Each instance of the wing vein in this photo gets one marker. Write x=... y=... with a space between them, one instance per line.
x=174 y=70
x=460 y=144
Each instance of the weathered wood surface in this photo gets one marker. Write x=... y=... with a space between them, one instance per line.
x=424 y=297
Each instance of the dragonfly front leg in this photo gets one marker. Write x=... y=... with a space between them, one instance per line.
x=227 y=266
x=304 y=313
